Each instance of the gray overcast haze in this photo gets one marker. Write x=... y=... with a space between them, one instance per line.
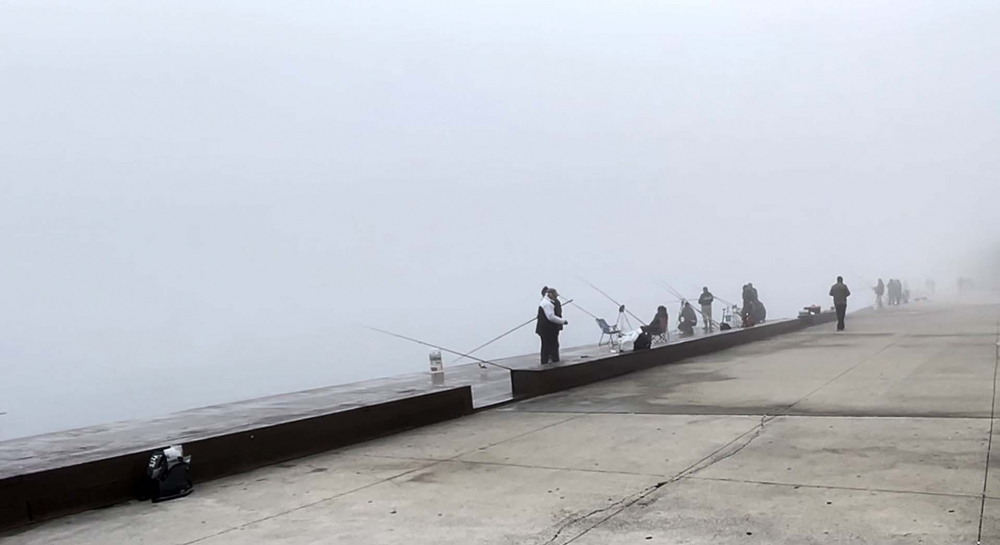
x=200 y=200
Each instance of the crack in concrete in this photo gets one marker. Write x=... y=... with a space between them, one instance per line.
x=755 y=433
x=624 y=503
x=723 y=453
x=989 y=448
x=832 y=487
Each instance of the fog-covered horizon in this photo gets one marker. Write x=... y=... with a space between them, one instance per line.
x=200 y=201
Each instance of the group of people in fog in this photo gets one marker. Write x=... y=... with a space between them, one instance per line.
x=550 y=321
x=896 y=292
x=753 y=312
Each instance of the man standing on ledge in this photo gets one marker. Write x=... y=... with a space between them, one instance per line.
x=705 y=300
x=840 y=293
x=550 y=322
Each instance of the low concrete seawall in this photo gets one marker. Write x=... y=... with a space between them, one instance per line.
x=541 y=380
x=75 y=483
x=48 y=476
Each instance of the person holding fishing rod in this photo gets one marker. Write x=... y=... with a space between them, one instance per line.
x=550 y=322
x=879 y=290
x=705 y=300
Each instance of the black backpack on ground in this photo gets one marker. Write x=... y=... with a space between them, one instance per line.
x=168 y=475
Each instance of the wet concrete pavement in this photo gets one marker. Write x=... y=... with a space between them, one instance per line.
x=877 y=435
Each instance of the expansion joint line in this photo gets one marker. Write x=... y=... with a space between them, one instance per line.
x=989 y=444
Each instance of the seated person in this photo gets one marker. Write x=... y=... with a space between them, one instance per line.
x=688 y=319
x=658 y=325
x=759 y=313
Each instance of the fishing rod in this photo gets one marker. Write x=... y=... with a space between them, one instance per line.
x=495 y=339
x=585 y=311
x=730 y=303
x=441 y=348
x=863 y=279
x=621 y=307
x=682 y=298
x=670 y=289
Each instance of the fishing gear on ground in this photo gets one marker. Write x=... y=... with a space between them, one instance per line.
x=168 y=475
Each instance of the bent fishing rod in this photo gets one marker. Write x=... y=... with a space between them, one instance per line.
x=497 y=338
x=621 y=307
x=441 y=348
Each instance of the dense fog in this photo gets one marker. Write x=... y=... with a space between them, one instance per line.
x=201 y=201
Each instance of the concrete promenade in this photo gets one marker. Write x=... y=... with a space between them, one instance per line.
x=879 y=435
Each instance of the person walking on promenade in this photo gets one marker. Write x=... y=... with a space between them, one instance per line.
x=550 y=322
x=705 y=300
x=840 y=293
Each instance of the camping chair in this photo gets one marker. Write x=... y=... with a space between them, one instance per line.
x=612 y=332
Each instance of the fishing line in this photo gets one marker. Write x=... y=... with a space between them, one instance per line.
x=620 y=306
x=441 y=348
x=495 y=339
x=863 y=279
x=587 y=312
x=670 y=289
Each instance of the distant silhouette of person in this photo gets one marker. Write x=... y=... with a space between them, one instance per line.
x=895 y=289
x=705 y=300
x=754 y=311
x=548 y=325
x=688 y=320
x=747 y=305
x=879 y=292
x=840 y=293
x=759 y=312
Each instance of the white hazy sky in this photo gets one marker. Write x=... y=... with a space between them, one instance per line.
x=199 y=199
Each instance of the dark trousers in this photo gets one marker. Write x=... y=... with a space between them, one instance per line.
x=841 y=312
x=550 y=347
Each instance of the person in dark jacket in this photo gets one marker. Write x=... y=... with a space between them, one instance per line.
x=879 y=292
x=747 y=309
x=549 y=323
x=688 y=319
x=705 y=300
x=660 y=322
x=840 y=293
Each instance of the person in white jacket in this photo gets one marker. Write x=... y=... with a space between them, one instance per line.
x=550 y=322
